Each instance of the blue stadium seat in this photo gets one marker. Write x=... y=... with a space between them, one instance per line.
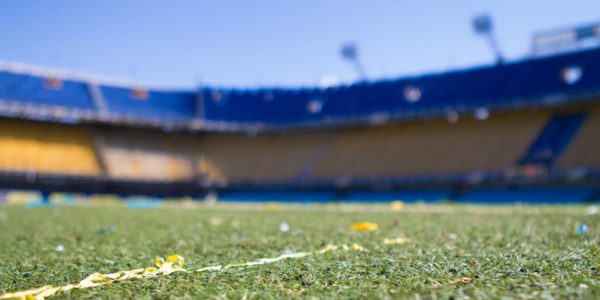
x=403 y=195
x=44 y=91
x=553 y=139
x=529 y=82
x=529 y=195
x=278 y=196
x=166 y=105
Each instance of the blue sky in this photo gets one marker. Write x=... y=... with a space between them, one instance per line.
x=243 y=43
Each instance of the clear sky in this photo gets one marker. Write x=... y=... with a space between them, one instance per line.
x=245 y=43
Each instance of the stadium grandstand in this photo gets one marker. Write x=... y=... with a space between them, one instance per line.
x=527 y=127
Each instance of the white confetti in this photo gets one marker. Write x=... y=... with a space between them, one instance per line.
x=284 y=227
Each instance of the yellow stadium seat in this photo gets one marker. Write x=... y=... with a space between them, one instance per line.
x=142 y=155
x=46 y=148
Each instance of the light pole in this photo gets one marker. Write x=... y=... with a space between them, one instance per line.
x=349 y=52
x=484 y=26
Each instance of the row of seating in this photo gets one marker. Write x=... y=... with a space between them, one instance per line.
x=556 y=195
x=47 y=91
x=404 y=150
x=522 y=195
x=144 y=155
x=538 y=81
x=150 y=104
x=529 y=82
x=271 y=157
x=46 y=148
x=434 y=148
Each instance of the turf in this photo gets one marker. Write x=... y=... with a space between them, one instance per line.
x=513 y=251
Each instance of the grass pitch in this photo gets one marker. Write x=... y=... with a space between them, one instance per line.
x=513 y=251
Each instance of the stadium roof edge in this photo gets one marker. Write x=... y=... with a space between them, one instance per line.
x=97 y=79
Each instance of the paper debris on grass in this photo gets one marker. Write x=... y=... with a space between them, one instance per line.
x=364 y=226
x=399 y=240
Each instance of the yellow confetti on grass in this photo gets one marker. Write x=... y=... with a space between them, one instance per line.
x=396 y=206
x=357 y=247
x=364 y=226
x=171 y=264
x=272 y=206
x=463 y=280
x=399 y=240
x=215 y=221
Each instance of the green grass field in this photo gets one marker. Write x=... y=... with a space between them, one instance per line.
x=512 y=251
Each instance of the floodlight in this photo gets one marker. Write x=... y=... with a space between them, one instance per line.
x=349 y=52
x=483 y=25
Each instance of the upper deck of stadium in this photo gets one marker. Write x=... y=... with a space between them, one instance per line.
x=559 y=79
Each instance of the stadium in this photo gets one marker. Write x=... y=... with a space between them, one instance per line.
x=477 y=182
x=424 y=138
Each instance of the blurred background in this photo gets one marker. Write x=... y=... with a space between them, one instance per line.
x=493 y=101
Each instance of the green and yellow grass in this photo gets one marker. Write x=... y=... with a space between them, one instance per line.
x=509 y=251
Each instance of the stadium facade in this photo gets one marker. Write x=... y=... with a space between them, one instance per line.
x=521 y=131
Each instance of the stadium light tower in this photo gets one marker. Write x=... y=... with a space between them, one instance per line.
x=484 y=26
x=349 y=52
